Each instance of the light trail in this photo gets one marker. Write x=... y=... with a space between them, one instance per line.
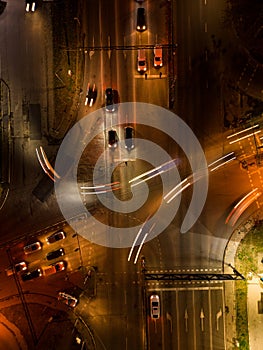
x=154 y=172
x=45 y=165
x=242 y=205
x=240 y=132
x=100 y=189
x=245 y=137
x=148 y=231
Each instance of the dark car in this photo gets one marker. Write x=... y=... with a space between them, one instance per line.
x=112 y=138
x=57 y=236
x=141 y=19
x=30 y=5
x=55 y=254
x=129 y=137
x=109 y=100
x=31 y=275
x=91 y=95
x=18 y=268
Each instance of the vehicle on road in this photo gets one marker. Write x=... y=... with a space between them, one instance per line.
x=112 y=138
x=158 y=56
x=141 y=19
x=54 y=268
x=129 y=137
x=91 y=95
x=109 y=100
x=33 y=247
x=55 y=254
x=31 y=275
x=18 y=268
x=141 y=61
x=155 y=306
x=67 y=299
x=30 y=6
x=57 y=236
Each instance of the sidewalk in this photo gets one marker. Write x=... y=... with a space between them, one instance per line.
x=11 y=337
x=255 y=320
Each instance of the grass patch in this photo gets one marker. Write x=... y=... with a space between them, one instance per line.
x=248 y=259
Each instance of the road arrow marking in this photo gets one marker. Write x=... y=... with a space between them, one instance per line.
x=91 y=53
x=186 y=320
x=109 y=50
x=218 y=315
x=169 y=318
x=202 y=316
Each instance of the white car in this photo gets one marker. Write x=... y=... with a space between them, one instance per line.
x=155 y=306
x=67 y=299
x=33 y=247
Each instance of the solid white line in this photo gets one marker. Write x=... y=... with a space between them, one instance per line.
x=210 y=319
x=173 y=289
x=177 y=321
x=194 y=325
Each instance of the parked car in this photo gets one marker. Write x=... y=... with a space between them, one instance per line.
x=129 y=137
x=33 y=247
x=112 y=138
x=155 y=306
x=54 y=268
x=67 y=299
x=57 y=236
x=158 y=56
x=55 y=254
x=31 y=275
x=141 y=19
x=18 y=268
x=109 y=100
x=141 y=61
x=30 y=5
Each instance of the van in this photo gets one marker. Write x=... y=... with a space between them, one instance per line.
x=141 y=61
x=158 y=56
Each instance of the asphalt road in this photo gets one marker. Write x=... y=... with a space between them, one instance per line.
x=190 y=315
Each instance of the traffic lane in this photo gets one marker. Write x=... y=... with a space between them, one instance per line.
x=218 y=318
x=155 y=327
x=157 y=14
x=185 y=319
x=152 y=89
x=170 y=310
x=118 y=307
x=205 y=318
